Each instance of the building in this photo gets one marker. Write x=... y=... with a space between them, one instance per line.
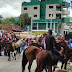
x=47 y=14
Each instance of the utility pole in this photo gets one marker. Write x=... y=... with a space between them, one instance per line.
x=51 y=23
x=31 y=26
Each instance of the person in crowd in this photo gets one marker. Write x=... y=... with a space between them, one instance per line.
x=30 y=40
x=70 y=43
x=27 y=41
x=43 y=41
x=23 y=46
x=39 y=40
x=1 y=34
x=58 y=37
x=50 y=41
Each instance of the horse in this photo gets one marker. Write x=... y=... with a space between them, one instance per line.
x=46 y=58
x=31 y=52
x=12 y=47
x=70 y=55
x=66 y=56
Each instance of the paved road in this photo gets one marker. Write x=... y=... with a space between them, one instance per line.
x=15 y=66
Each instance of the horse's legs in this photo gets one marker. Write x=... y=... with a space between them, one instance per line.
x=30 y=63
x=24 y=62
x=50 y=69
x=8 y=55
x=62 y=65
x=46 y=69
x=39 y=68
x=54 y=69
x=65 y=65
x=15 y=55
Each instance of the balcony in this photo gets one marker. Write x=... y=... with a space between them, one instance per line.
x=66 y=12
x=67 y=20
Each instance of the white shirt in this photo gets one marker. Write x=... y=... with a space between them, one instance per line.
x=0 y=34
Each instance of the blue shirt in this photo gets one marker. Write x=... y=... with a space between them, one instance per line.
x=70 y=44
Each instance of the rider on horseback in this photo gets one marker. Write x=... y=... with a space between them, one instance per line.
x=50 y=41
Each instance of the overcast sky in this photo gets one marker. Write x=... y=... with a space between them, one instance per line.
x=12 y=8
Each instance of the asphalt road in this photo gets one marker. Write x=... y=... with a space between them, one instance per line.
x=15 y=66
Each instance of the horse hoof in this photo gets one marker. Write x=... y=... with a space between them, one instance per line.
x=9 y=59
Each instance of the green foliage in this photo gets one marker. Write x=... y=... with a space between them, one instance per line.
x=1 y=26
x=24 y=20
x=12 y=20
x=6 y=21
x=16 y=23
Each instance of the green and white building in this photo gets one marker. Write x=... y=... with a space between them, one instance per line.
x=47 y=14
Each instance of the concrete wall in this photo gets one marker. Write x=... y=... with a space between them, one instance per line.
x=31 y=11
x=52 y=11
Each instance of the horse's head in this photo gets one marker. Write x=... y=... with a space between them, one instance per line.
x=66 y=47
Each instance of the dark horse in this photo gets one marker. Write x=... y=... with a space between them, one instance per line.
x=9 y=48
x=47 y=59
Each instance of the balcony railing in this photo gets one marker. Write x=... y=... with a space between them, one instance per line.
x=66 y=12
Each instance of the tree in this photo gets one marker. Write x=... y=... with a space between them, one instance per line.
x=12 y=20
x=24 y=20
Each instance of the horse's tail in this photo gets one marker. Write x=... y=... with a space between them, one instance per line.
x=24 y=61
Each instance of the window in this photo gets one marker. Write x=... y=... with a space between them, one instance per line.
x=58 y=16
x=48 y=25
x=35 y=15
x=58 y=8
x=35 y=7
x=42 y=0
x=50 y=7
x=25 y=8
x=50 y=15
x=42 y=6
x=64 y=32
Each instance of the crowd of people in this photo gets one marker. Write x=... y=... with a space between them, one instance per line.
x=46 y=40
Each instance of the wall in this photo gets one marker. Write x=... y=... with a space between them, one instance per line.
x=30 y=10
x=52 y=11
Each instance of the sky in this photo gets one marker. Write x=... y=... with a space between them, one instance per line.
x=12 y=8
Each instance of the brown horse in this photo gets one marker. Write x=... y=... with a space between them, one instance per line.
x=45 y=58
x=29 y=54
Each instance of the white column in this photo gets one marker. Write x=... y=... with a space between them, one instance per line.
x=57 y=27
x=37 y=25
x=46 y=26
x=54 y=27
x=51 y=23
x=31 y=26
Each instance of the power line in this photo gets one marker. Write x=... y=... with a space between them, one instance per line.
x=11 y=5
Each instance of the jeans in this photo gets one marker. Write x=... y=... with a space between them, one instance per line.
x=22 y=48
x=56 y=52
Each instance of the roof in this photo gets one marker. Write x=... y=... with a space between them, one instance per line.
x=16 y=28
x=66 y=4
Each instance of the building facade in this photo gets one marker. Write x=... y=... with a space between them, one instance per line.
x=47 y=14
